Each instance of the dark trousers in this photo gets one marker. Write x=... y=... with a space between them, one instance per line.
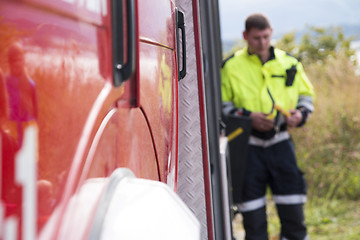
x=274 y=166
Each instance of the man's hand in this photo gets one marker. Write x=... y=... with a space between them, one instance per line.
x=294 y=119
x=260 y=122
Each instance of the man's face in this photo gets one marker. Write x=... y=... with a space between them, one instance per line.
x=258 y=40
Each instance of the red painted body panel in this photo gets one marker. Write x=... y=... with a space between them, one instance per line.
x=159 y=18
x=158 y=80
x=55 y=62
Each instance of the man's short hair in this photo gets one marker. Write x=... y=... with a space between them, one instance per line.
x=256 y=20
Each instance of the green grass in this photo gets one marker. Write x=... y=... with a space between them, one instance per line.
x=325 y=219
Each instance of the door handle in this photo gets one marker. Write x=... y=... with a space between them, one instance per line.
x=122 y=70
x=180 y=22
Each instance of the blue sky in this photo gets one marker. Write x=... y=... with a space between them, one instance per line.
x=287 y=15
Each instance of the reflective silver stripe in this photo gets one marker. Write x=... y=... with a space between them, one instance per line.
x=252 y=205
x=290 y=199
x=228 y=107
x=307 y=102
x=306 y=238
x=280 y=136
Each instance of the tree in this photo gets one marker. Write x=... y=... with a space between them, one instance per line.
x=288 y=43
x=318 y=45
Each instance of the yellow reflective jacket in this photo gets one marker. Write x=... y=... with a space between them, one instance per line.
x=246 y=82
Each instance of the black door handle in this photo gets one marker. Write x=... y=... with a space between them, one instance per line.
x=123 y=70
x=180 y=22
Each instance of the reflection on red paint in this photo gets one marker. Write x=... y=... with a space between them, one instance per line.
x=21 y=93
x=58 y=77
x=18 y=110
x=45 y=201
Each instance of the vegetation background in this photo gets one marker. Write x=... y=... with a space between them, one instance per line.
x=328 y=146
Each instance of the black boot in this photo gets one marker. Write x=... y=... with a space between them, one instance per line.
x=255 y=224
x=292 y=222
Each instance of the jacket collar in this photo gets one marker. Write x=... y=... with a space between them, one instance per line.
x=272 y=53
x=271 y=57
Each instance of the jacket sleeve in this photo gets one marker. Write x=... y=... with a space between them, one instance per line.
x=306 y=96
x=228 y=106
x=306 y=91
x=227 y=92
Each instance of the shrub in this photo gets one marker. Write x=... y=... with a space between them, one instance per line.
x=328 y=147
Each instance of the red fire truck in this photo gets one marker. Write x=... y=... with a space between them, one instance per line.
x=109 y=119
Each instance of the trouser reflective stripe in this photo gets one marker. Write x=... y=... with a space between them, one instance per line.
x=279 y=137
x=306 y=238
x=252 y=204
x=290 y=199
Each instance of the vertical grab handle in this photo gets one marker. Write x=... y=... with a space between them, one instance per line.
x=123 y=70
x=180 y=21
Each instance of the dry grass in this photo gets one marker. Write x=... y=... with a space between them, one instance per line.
x=328 y=146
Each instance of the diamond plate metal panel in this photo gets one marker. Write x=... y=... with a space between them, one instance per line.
x=191 y=174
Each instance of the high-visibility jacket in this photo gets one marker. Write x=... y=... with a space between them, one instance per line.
x=249 y=84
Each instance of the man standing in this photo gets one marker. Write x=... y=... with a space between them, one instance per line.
x=270 y=87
